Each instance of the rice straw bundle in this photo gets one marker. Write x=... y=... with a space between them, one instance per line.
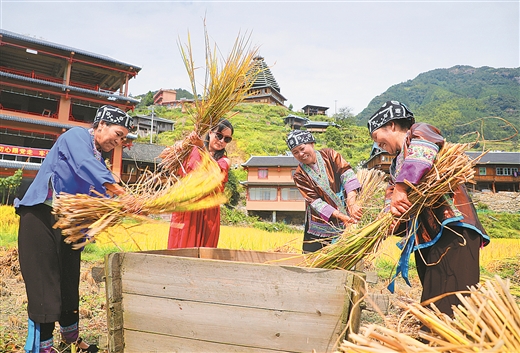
x=487 y=320
x=371 y=195
x=82 y=216
x=224 y=88
x=451 y=168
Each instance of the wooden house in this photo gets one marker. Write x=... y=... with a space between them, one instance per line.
x=315 y=110
x=497 y=171
x=138 y=158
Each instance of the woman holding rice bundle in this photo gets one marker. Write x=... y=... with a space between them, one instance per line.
x=446 y=237
x=325 y=180
x=202 y=228
x=50 y=267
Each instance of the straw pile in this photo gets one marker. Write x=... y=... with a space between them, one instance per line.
x=487 y=320
x=81 y=217
x=451 y=168
x=223 y=89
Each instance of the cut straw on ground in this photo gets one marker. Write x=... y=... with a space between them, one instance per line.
x=487 y=320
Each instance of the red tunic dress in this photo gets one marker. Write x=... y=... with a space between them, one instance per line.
x=201 y=228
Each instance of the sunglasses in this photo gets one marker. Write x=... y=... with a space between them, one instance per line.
x=227 y=139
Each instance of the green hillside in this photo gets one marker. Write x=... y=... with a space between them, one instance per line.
x=459 y=101
x=260 y=131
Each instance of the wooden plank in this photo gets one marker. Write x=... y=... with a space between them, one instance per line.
x=275 y=258
x=234 y=326
x=286 y=288
x=188 y=252
x=139 y=342
x=114 y=297
x=356 y=301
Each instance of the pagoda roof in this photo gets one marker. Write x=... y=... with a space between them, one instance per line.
x=264 y=78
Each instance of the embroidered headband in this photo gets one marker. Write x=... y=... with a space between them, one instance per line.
x=298 y=137
x=391 y=110
x=113 y=115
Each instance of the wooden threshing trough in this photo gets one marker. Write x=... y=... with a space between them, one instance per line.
x=218 y=300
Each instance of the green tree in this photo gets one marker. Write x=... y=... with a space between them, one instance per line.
x=8 y=185
x=182 y=93
x=345 y=117
x=232 y=189
x=147 y=100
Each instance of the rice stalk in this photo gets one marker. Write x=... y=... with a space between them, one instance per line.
x=451 y=168
x=225 y=86
x=81 y=217
x=487 y=320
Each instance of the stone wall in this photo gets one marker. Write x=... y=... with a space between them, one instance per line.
x=499 y=202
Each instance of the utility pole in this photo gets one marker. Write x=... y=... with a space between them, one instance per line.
x=151 y=127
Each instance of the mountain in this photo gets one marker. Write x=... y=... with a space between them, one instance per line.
x=459 y=101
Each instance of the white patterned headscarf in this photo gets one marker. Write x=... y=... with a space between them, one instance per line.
x=298 y=137
x=391 y=110
x=113 y=115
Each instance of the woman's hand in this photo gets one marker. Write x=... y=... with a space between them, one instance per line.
x=354 y=209
x=194 y=139
x=400 y=203
x=343 y=217
x=114 y=189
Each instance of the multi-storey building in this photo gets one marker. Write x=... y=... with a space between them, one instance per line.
x=48 y=88
x=271 y=192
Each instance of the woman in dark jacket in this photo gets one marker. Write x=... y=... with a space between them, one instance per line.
x=448 y=236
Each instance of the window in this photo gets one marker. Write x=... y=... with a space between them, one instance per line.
x=262 y=173
x=262 y=194
x=482 y=171
x=291 y=194
x=506 y=171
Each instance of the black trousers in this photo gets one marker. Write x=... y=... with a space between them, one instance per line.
x=50 y=267
x=458 y=269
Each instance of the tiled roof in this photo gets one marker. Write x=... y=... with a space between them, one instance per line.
x=143 y=152
x=36 y=121
x=271 y=161
x=497 y=157
x=19 y=165
x=8 y=34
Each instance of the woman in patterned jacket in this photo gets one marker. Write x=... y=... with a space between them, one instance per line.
x=329 y=187
x=447 y=239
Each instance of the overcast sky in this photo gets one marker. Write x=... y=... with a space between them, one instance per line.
x=327 y=53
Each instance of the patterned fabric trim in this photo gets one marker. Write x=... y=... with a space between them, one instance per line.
x=349 y=181
x=70 y=328
x=47 y=344
x=324 y=209
x=322 y=229
x=323 y=181
x=419 y=160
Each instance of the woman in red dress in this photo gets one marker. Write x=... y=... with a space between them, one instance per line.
x=202 y=228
